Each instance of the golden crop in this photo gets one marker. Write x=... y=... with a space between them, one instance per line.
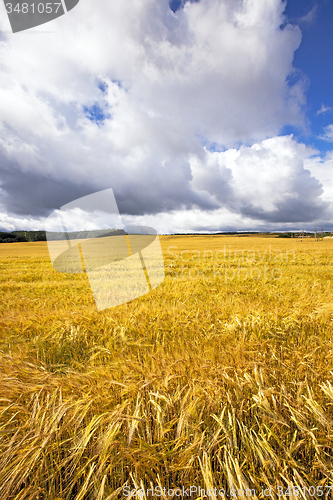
x=221 y=377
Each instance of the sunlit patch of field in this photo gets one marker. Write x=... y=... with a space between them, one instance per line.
x=221 y=377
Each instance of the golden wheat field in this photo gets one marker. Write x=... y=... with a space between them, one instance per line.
x=219 y=379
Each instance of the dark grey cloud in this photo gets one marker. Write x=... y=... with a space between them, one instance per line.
x=32 y=194
x=35 y=195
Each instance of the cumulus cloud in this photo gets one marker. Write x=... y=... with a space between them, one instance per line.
x=322 y=169
x=131 y=95
x=267 y=181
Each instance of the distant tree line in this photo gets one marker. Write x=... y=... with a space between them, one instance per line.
x=28 y=236
x=285 y=235
x=82 y=235
x=305 y=234
x=22 y=236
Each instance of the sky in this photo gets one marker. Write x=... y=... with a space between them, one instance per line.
x=202 y=116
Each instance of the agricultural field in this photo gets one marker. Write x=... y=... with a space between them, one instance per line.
x=221 y=378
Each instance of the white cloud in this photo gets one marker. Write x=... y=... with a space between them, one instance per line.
x=267 y=181
x=310 y=17
x=12 y=223
x=323 y=109
x=213 y=72
x=328 y=134
x=322 y=169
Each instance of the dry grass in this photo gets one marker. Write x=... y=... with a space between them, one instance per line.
x=207 y=381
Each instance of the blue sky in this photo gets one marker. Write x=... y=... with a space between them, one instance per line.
x=208 y=116
x=314 y=59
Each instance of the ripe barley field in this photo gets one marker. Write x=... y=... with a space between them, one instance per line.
x=221 y=378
